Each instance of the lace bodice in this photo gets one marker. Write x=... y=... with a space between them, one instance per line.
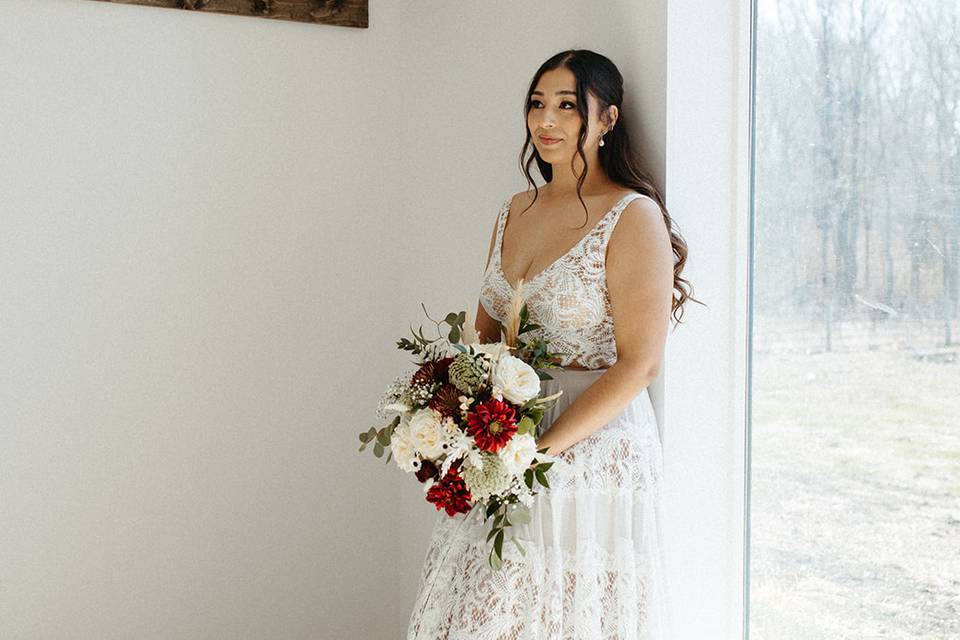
x=569 y=298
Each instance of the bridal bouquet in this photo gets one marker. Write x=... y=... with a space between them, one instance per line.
x=466 y=421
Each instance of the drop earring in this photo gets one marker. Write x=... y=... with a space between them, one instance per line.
x=601 y=137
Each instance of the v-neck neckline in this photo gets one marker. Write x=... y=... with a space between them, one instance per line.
x=527 y=282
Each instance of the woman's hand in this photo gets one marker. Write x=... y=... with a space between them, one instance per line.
x=552 y=450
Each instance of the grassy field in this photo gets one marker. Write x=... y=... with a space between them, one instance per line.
x=855 y=528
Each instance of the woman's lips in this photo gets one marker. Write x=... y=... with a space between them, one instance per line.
x=550 y=140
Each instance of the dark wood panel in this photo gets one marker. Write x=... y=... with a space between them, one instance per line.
x=344 y=13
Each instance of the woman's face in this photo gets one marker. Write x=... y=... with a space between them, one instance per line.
x=553 y=114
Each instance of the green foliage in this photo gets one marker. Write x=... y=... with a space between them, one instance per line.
x=455 y=320
x=418 y=345
x=421 y=345
x=526 y=425
x=506 y=513
x=541 y=477
x=533 y=410
x=380 y=438
x=534 y=351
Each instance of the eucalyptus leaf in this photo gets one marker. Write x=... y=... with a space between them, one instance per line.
x=378 y=449
x=526 y=425
x=542 y=478
x=495 y=562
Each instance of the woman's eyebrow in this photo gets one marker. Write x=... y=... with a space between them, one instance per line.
x=564 y=91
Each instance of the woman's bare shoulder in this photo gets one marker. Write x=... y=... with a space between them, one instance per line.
x=523 y=199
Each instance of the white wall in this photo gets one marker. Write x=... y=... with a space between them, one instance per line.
x=707 y=187
x=214 y=229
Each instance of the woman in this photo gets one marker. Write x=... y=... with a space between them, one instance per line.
x=602 y=292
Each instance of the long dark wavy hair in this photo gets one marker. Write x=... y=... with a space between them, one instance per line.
x=598 y=75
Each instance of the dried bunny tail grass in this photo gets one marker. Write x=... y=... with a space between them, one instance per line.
x=469 y=333
x=512 y=326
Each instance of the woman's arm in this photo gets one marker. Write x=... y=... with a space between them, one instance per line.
x=486 y=326
x=639 y=266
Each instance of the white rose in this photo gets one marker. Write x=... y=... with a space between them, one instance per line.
x=428 y=433
x=515 y=379
x=401 y=444
x=518 y=453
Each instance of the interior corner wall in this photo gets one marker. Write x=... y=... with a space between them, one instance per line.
x=213 y=229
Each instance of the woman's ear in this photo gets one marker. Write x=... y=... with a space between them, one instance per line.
x=612 y=114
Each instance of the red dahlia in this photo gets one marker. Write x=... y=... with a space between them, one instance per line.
x=492 y=424
x=450 y=493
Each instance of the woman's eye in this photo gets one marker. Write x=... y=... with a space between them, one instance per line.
x=534 y=103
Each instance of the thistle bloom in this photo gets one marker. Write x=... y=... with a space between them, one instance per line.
x=489 y=479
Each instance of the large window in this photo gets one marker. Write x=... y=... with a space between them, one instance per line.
x=855 y=383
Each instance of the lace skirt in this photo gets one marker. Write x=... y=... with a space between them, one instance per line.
x=593 y=568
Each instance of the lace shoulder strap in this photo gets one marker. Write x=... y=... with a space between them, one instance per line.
x=615 y=213
x=501 y=225
x=502 y=218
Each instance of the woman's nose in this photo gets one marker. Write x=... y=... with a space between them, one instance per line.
x=547 y=118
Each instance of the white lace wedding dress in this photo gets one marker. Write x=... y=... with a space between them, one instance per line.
x=593 y=568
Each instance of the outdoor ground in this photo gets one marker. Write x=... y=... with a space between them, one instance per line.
x=855 y=528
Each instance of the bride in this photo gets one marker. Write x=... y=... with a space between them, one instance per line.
x=595 y=256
